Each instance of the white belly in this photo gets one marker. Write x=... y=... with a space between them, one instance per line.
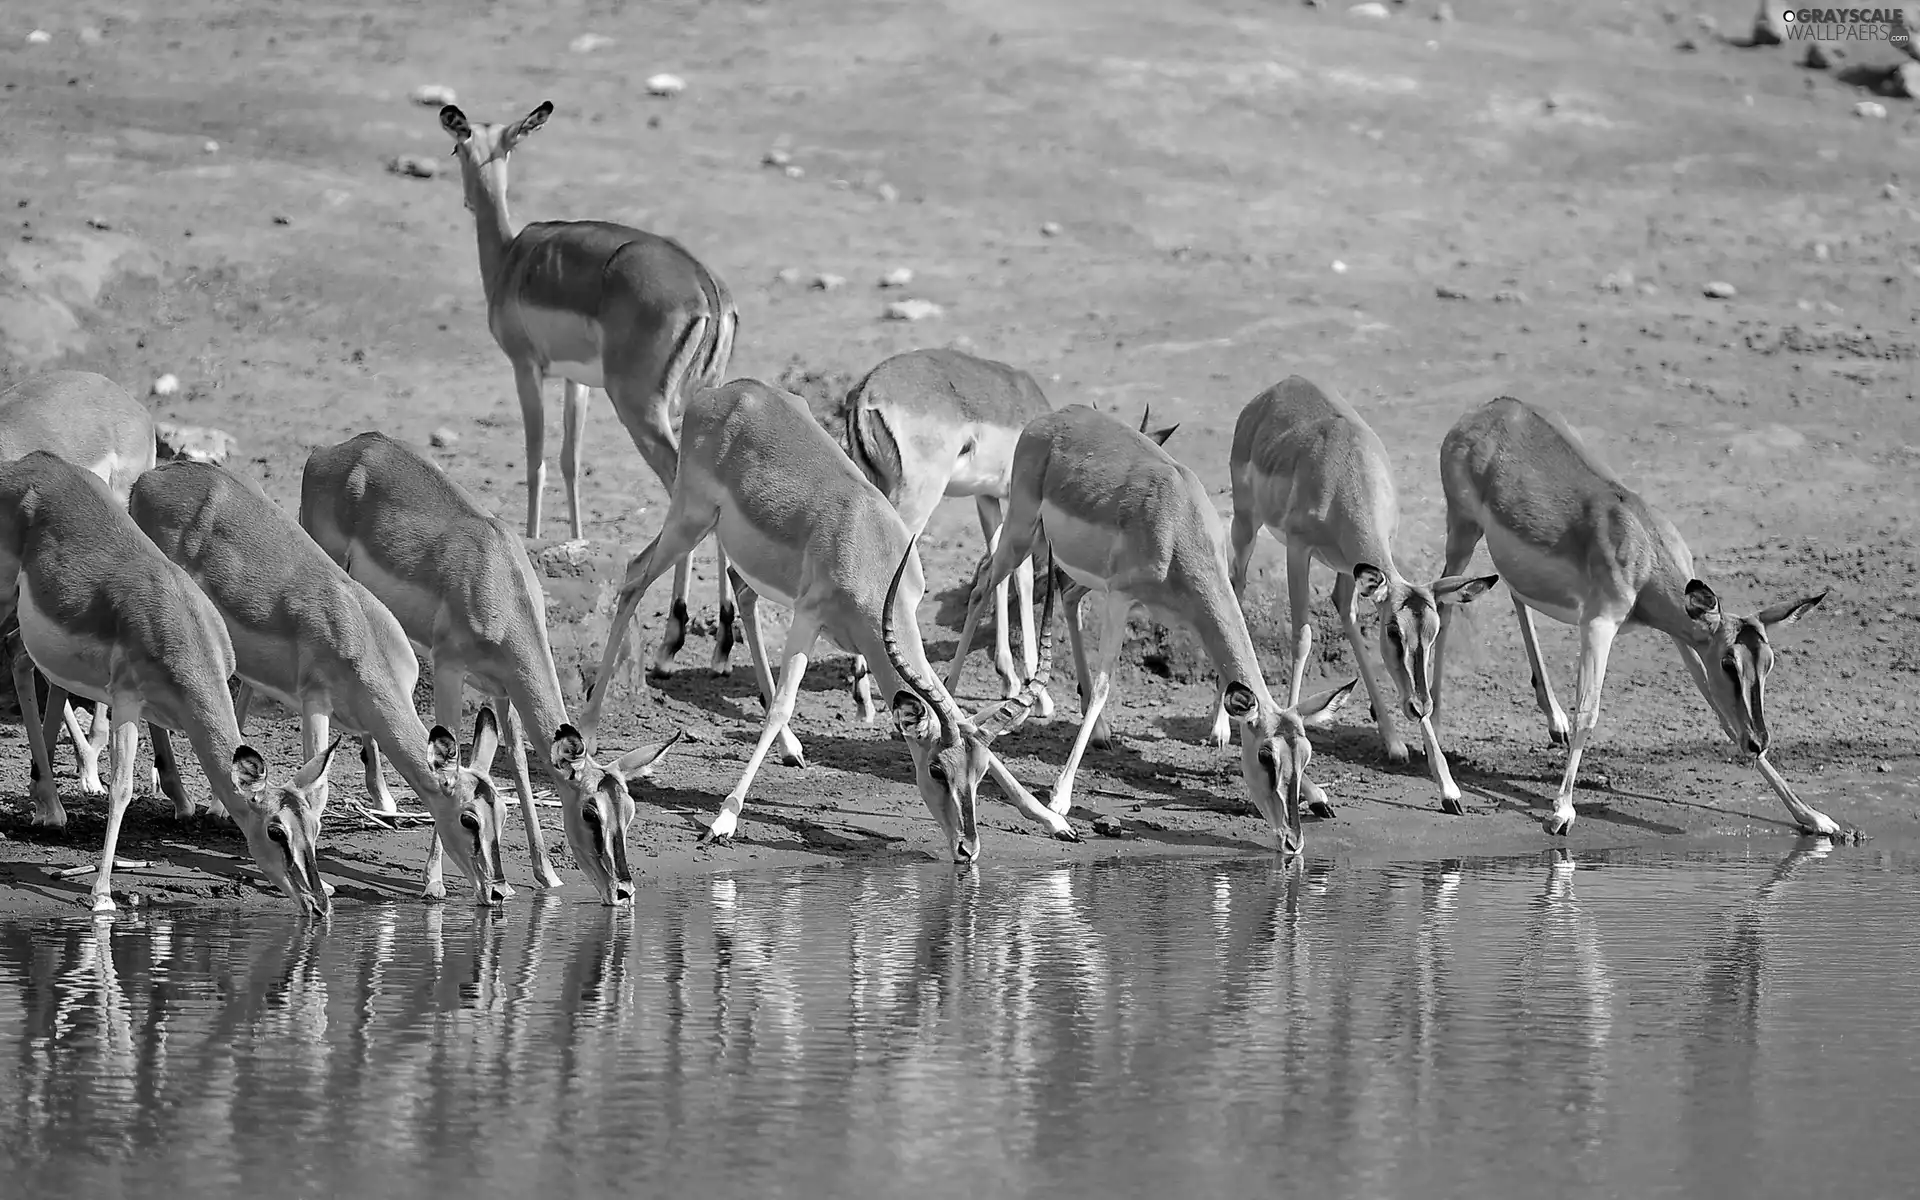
x=271 y=667
x=568 y=342
x=766 y=590
x=586 y=373
x=416 y=607
x=1085 y=551
x=75 y=660
x=1547 y=584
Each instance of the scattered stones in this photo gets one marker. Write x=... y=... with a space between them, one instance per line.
x=39 y=37
x=1050 y=229
x=587 y=43
x=166 y=385
x=1719 y=290
x=775 y=158
x=192 y=443
x=897 y=278
x=432 y=95
x=414 y=166
x=912 y=310
x=1617 y=281
x=827 y=283
x=444 y=438
x=665 y=85
x=1870 y=109
x=788 y=275
x=1369 y=11
x=1445 y=292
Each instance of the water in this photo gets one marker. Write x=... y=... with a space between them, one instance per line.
x=1606 y=1025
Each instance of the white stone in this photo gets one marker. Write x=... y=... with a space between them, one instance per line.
x=665 y=85
x=166 y=385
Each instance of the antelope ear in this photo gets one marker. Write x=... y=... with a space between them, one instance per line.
x=315 y=767
x=1789 y=611
x=638 y=761
x=1460 y=589
x=1370 y=581
x=567 y=750
x=442 y=751
x=249 y=771
x=529 y=123
x=1701 y=602
x=913 y=718
x=1240 y=702
x=1318 y=710
x=455 y=122
x=486 y=740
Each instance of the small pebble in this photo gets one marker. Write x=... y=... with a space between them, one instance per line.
x=826 y=283
x=1617 y=281
x=280 y=220
x=1649 y=288
x=39 y=37
x=444 y=438
x=788 y=275
x=1449 y=293
x=211 y=146
x=1719 y=290
x=432 y=95
x=912 y=310
x=665 y=85
x=1369 y=11
x=587 y=43
x=1891 y=191
x=98 y=223
x=1050 y=229
x=795 y=173
x=1509 y=296
x=1871 y=109
x=1884 y=768
x=775 y=158
x=898 y=277
x=166 y=385
x=887 y=193
x=1103 y=824
x=1821 y=252
x=1339 y=268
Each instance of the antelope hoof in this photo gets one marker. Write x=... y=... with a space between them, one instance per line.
x=1558 y=823
x=1452 y=807
x=548 y=878
x=1220 y=735
x=1398 y=755
x=326 y=888
x=103 y=903
x=1321 y=809
x=1042 y=703
x=710 y=838
x=1556 y=737
x=794 y=758
x=1066 y=835
x=1822 y=826
x=90 y=784
x=434 y=891
x=1060 y=803
x=47 y=809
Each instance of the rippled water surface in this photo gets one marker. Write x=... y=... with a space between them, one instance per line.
x=1614 y=1025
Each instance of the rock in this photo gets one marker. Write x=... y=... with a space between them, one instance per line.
x=887 y=193
x=1445 y=292
x=1719 y=290
x=665 y=85
x=1617 y=281
x=775 y=158
x=1105 y=825
x=795 y=173
x=1871 y=109
x=39 y=37
x=1906 y=80
x=210 y=146
x=898 y=277
x=912 y=310
x=788 y=275
x=587 y=43
x=1815 y=59
x=192 y=443
x=1339 y=268
x=415 y=166
x=1369 y=11
x=1050 y=229
x=99 y=223
x=280 y=219
x=166 y=385
x=826 y=283
x=432 y=95
x=444 y=438
x=1884 y=768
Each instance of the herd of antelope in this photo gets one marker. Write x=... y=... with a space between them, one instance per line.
x=170 y=594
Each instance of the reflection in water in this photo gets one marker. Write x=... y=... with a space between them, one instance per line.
x=1551 y=1025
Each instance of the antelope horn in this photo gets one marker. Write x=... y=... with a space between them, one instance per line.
x=920 y=682
x=1044 y=671
x=1144 y=414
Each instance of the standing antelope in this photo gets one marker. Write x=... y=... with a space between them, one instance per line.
x=312 y=638
x=1125 y=520
x=600 y=305
x=103 y=614
x=1308 y=467
x=803 y=528
x=461 y=585
x=1577 y=544
x=93 y=423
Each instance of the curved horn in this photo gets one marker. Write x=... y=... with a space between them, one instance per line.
x=1045 y=670
x=921 y=683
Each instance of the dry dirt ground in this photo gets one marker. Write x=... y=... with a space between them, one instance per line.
x=1241 y=190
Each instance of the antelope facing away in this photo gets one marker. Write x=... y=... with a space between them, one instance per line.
x=1128 y=522
x=104 y=615
x=804 y=528
x=461 y=585
x=1577 y=544
x=1307 y=466
x=310 y=637
x=93 y=423
x=600 y=305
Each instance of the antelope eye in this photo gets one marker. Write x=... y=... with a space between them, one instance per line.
x=277 y=833
x=591 y=816
x=936 y=772
x=470 y=822
x=1266 y=756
